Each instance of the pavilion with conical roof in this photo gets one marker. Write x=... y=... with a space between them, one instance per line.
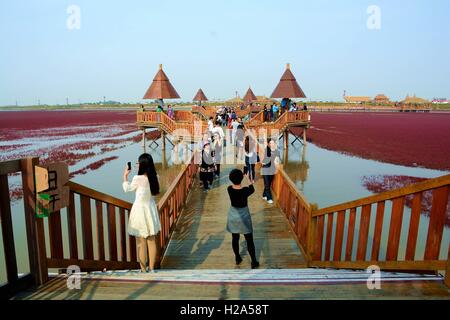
x=161 y=88
x=200 y=96
x=288 y=86
x=250 y=96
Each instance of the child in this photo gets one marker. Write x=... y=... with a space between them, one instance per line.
x=239 y=219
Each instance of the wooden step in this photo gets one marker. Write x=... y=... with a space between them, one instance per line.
x=255 y=276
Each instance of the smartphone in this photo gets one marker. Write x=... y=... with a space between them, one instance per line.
x=129 y=166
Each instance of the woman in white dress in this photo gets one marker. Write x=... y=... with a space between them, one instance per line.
x=144 y=221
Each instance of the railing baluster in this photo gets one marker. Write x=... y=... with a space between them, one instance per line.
x=100 y=233
x=55 y=235
x=350 y=235
x=112 y=237
x=339 y=236
x=363 y=233
x=378 y=230
x=123 y=235
x=72 y=226
x=414 y=226
x=329 y=234
x=86 y=227
x=437 y=221
x=319 y=238
x=395 y=228
x=7 y=231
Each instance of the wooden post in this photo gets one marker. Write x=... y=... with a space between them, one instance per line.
x=312 y=227
x=447 y=271
x=34 y=226
x=286 y=146
x=143 y=139
x=163 y=135
x=304 y=136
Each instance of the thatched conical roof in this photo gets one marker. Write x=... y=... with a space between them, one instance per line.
x=200 y=96
x=250 y=96
x=161 y=88
x=288 y=86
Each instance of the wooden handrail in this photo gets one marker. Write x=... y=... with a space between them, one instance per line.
x=387 y=195
x=296 y=209
x=164 y=122
x=331 y=251
x=313 y=233
x=11 y=166
x=173 y=201
x=96 y=195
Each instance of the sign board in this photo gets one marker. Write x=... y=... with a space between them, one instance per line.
x=52 y=194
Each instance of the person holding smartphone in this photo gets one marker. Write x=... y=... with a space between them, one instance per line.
x=144 y=223
x=239 y=220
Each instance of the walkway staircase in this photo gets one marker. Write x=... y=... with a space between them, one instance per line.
x=186 y=126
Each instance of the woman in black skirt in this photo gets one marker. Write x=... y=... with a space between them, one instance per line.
x=239 y=220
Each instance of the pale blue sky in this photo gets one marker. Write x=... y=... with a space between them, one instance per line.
x=221 y=46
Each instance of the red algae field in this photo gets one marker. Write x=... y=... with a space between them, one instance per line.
x=409 y=139
x=70 y=136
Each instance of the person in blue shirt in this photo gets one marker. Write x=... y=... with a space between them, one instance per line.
x=275 y=109
x=284 y=104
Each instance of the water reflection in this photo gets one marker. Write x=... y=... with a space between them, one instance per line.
x=297 y=169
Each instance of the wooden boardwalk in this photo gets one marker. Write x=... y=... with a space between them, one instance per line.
x=200 y=240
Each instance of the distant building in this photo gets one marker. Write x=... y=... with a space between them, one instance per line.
x=351 y=99
x=264 y=99
x=415 y=100
x=440 y=101
x=381 y=99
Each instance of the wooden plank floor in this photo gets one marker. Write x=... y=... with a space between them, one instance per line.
x=56 y=289
x=200 y=240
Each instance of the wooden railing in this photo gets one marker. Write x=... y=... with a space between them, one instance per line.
x=37 y=275
x=185 y=116
x=296 y=208
x=286 y=119
x=96 y=221
x=97 y=254
x=335 y=253
x=321 y=232
x=118 y=253
x=206 y=112
x=241 y=113
x=257 y=119
x=173 y=201
x=187 y=130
